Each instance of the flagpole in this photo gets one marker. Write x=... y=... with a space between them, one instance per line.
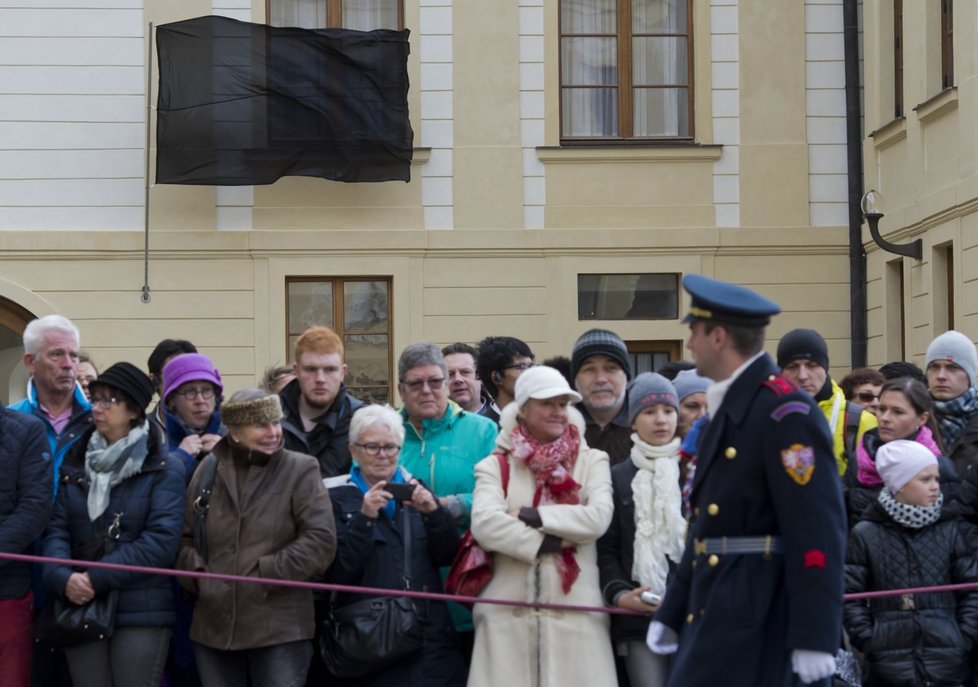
x=149 y=112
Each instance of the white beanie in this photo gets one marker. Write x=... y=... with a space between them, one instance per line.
x=900 y=461
x=956 y=348
x=542 y=382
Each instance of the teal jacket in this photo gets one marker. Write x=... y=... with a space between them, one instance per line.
x=444 y=455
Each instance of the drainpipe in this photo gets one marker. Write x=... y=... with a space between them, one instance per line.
x=857 y=256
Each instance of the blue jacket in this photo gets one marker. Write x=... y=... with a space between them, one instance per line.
x=152 y=505
x=25 y=495
x=81 y=418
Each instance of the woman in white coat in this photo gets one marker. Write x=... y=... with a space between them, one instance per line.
x=542 y=526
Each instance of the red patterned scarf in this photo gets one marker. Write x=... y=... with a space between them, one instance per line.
x=551 y=465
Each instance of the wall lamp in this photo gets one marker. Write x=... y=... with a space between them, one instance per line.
x=872 y=206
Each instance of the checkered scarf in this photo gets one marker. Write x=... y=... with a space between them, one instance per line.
x=953 y=415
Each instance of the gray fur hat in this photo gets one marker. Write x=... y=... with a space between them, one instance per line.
x=256 y=411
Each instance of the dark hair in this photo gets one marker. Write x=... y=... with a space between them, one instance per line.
x=919 y=398
x=166 y=349
x=495 y=353
x=84 y=357
x=130 y=404
x=562 y=364
x=271 y=376
x=459 y=347
x=858 y=377
x=674 y=367
x=901 y=368
x=747 y=341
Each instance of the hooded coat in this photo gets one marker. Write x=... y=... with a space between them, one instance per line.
x=517 y=647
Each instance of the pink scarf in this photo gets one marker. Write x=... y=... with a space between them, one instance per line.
x=551 y=465
x=867 y=473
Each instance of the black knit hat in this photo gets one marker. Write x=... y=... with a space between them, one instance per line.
x=600 y=342
x=802 y=344
x=128 y=379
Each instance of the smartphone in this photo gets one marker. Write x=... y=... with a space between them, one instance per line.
x=650 y=598
x=400 y=492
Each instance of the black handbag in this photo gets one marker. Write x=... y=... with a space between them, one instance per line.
x=369 y=635
x=63 y=623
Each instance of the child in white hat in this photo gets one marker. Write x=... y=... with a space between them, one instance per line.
x=906 y=541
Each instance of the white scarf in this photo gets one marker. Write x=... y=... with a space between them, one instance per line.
x=660 y=530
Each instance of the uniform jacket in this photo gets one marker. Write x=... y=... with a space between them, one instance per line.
x=446 y=450
x=25 y=495
x=151 y=503
x=866 y=421
x=921 y=639
x=370 y=553
x=329 y=440
x=516 y=647
x=764 y=467
x=81 y=418
x=279 y=526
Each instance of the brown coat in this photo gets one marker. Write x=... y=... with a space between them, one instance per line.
x=280 y=526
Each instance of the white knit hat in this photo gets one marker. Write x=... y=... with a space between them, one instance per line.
x=542 y=382
x=899 y=461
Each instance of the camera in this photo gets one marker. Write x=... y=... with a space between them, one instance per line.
x=650 y=598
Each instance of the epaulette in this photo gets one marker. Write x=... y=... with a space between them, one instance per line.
x=779 y=385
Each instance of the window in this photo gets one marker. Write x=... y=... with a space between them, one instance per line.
x=895 y=298
x=897 y=59
x=627 y=296
x=947 y=43
x=626 y=69
x=362 y=15
x=358 y=310
x=650 y=356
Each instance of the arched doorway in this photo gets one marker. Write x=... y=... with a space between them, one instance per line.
x=13 y=376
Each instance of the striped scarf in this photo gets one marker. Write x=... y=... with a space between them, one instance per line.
x=953 y=415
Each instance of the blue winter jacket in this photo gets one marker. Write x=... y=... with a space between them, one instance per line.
x=81 y=419
x=152 y=506
x=25 y=495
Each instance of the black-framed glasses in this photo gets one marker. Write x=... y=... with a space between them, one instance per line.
x=867 y=396
x=416 y=385
x=105 y=402
x=522 y=367
x=374 y=450
x=205 y=392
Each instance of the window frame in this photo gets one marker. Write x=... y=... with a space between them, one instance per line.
x=338 y=325
x=625 y=85
x=897 y=59
x=671 y=348
x=947 y=44
x=334 y=13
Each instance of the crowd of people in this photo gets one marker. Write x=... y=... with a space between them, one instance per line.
x=727 y=503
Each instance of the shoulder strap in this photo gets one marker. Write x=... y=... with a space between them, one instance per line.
x=208 y=472
x=406 y=538
x=504 y=471
x=853 y=414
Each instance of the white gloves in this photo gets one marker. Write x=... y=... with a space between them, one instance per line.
x=810 y=665
x=662 y=639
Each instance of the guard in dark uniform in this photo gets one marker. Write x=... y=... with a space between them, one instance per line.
x=757 y=599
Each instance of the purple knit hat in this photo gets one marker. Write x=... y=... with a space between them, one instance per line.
x=189 y=367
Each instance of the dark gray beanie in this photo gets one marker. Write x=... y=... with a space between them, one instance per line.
x=690 y=382
x=600 y=342
x=649 y=389
x=802 y=344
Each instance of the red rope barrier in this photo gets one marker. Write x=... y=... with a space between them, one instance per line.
x=433 y=596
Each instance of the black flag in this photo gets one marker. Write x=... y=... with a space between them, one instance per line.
x=243 y=103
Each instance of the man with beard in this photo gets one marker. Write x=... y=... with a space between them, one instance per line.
x=317 y=409
x=600 y=368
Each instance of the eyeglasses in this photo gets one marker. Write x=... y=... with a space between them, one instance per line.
x=374 y=450
x=106 y=402
x=206 y=393
x=522 y=367
x=416 y=385
x=867 y=396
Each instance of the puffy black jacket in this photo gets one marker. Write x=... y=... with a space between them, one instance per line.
x=328 y=442
x=964 y=451
x=914 y=639
x=152 y=506
x=25 y=495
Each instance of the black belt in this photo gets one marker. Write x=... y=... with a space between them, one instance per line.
x=738 y=545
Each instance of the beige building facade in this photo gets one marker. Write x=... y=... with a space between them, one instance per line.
x=516 y=223
x=921 y=152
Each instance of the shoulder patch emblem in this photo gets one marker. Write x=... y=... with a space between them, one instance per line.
x=779 y=385
x=789 y=407
x=799 y=462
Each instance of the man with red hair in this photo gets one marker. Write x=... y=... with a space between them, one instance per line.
x=316 y=405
